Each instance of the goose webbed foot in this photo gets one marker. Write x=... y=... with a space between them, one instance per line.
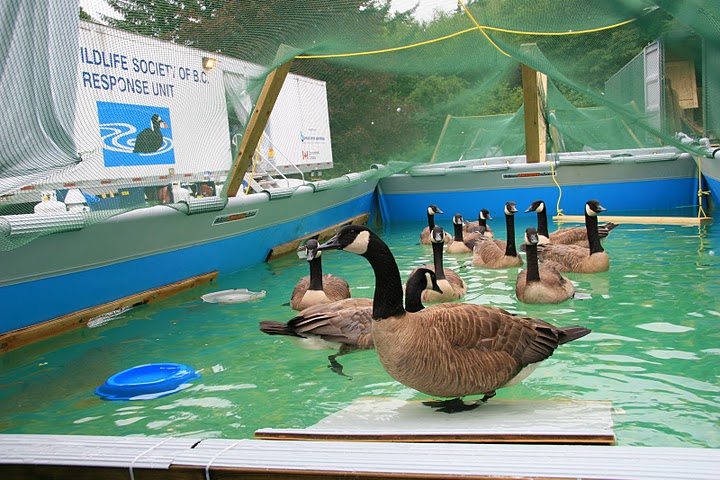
x=451 y=406
x=336 y=367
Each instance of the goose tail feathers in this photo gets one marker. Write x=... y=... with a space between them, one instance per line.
x=276 y=328
x=568 y=334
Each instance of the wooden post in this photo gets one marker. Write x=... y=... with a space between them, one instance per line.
x=256 y=126
x=442 y=134
x=534 y=98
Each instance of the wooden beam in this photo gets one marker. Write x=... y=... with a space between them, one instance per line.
x=637 y=220
x=442 y=134
x=256 y=126
x=24 y=336
x=534 y=97
x=321 y=236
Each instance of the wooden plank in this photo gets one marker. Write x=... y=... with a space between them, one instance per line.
x=24 y=336
x=372 y=419
x=256 y=126
x=321 y=236
x=640 y=220
x=534 y=93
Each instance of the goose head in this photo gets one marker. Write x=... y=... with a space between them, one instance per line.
x=311 y=249
x=437 y=235
x=352 y=238
x=485 y=214
x=536 y=206
x=157 y=122
x=593 y=207
x=458 y=219
x=531 y=236
x=433 y=209
x=510 y=208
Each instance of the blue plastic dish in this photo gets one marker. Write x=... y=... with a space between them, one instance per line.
x=146 y=382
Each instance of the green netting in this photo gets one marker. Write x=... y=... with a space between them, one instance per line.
x=401 y=83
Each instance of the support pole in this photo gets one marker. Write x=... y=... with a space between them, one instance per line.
x=256 y=126
x=534 y=98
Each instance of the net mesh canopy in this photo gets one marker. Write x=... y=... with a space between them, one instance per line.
x=149 y=102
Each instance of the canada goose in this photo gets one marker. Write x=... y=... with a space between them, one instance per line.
x=493 y=253
x=448 y=350
x=345 y=325
x=425 y=237
x=574 y=258
x=564 y=236
x=481 y=225
x=453 y=287
x=461 y=242
x=317 y=288
x=150 y=139
x=540 y=283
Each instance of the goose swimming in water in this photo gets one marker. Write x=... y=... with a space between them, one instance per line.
x=576 y=258
x=494 y=253
x=345 y=325
x=452 y=285
x=540 y=282
x=563 y=236
x=448 y=350
x=150 y=139
x=425 y=234
x=317 y=288
x=481 y=225
x=461 y=242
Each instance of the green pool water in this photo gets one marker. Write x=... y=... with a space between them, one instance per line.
x=654 y=351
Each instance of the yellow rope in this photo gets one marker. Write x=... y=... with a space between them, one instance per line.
x=482 y=29
x=701 y=192
x=477 y=25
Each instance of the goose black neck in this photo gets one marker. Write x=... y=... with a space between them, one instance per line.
x=431 y=221
x=316 y=274
x=510 y=250
x=458 y=230
x=542 y=223
x=388 y=297
x=413 y=294
x=591 y=224
x=438 y=260
x=481 y=222
x=533 y=270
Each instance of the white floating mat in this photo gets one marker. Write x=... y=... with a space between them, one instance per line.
x=497 y=421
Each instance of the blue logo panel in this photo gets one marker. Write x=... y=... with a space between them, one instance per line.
x=135 y=135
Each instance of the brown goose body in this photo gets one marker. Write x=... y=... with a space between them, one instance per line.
x=346 y=324
x=541 y=283
x=480 y=225
x=452 y=285
x=452 y=349
x=494 y=253
x=576 y=258
x=567 y=235
x=317 y=288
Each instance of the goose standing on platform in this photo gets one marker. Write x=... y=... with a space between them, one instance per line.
x=563 y=236
x=453 y=287
x=150 y=139
x=461 y=242
x=575 y=258
x=345 y=325
x=481 y=225
x=493 y=253
x=316 y=288
x=425 y=234
x=540 y=283
x=448 y=350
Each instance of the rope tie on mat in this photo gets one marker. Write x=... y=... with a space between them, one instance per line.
x=207 y=467
x=132 y=464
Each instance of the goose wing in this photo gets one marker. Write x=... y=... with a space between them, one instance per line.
x=569 y=235
x=336 y=288
x=347 y=321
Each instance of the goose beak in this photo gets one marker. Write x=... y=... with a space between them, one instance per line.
x=529 y=209
x=311 y=254
x=533 y=238
x=332 y=244
x=163 y=125
x=489 y=218
x=600 y=208
x=435 y=287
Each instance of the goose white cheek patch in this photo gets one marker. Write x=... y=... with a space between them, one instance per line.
x=360 y=245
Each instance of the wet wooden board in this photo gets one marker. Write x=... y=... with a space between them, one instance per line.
x=636 y=220
x=24 y=336
x=375 y=419
x=321 y=236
